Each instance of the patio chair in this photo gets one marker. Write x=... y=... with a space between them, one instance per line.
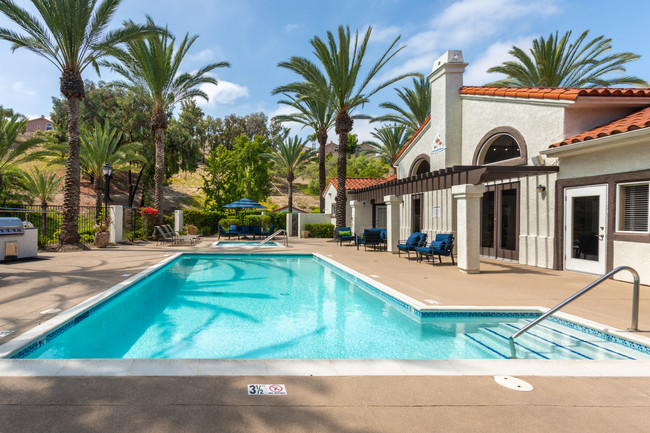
x=255 y=231
x=228 y=233
x=383 y=237
x=180 y=238
x=176 y=238
x=269 y=232
x=415 y=241
x=344 y=234
x=443 y=245
x=371 y=237
x=164 y=236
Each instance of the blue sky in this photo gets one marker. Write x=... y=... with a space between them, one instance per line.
x=254 y=35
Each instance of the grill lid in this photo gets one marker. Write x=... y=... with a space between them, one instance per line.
x=11 y=225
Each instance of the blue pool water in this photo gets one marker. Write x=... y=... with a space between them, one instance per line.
x=282 y=306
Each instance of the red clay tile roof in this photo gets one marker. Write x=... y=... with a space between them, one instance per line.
x=412 y=138
x=638 y=120
x=566 y=93
x=360 y=182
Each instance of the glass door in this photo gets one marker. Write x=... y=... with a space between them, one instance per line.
x=585 y=229
x=500 y=221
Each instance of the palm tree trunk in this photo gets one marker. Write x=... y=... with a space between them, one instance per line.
x=98 y=198
x=290 y=196
x=159 y=176
x=321 y=136
x=72 y=185
x=343 y=128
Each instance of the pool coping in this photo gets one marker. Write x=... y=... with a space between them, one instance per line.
x=313 y=367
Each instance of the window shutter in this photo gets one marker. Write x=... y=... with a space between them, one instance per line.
x=635 y=207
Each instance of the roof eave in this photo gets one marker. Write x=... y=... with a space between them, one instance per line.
x=597 y=144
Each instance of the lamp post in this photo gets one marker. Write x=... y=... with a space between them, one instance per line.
x=107 y=170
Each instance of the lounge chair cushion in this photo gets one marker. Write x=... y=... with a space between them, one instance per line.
x=233 y=228
x=436 y=245
x=346 y=233
x=414 y=239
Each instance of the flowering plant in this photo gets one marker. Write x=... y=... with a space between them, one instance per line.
x=148 y=211
x=191 y=229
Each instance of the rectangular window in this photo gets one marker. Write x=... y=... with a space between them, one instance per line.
x=633 y=207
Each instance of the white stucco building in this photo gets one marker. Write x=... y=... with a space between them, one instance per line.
x=550 y=177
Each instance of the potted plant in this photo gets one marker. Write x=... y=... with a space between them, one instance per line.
x=102 y=235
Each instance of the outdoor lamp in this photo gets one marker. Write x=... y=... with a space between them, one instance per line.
x=107 y=169
x=541 y=188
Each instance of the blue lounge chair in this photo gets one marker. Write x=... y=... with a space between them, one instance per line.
x=233 y=231
x=269 y=232
x=371 y=237
x=383 y=237
x=415 y=241
x=255 y=231
x=345 y=237
x=443 y=245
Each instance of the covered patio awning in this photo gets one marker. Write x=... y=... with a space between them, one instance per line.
x=446 y=178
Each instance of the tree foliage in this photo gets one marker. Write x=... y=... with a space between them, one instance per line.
x=558 y=62
x=417 y=101
x=226 y=131
x=237 y=173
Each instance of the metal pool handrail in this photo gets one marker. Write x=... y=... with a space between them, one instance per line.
x=286 y=238
x=635 y=305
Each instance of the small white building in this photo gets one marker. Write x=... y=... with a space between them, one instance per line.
x=550 y=177
x=353 y=183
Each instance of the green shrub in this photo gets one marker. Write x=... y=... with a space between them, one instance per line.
x=87 y=239
x=206 y=221
x=264 y=221
x=227 y=222
x=320 y=230
x=278 y=219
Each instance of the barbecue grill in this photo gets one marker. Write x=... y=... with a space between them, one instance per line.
x=16 y=241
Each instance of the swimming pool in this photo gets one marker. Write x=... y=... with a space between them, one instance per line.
x=244 y=244
x=296 y=306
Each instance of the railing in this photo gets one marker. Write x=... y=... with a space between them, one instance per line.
x=635 y=305
x=277 y=233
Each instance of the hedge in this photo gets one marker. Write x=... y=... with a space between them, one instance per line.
x=206 y=222
x=320 y=230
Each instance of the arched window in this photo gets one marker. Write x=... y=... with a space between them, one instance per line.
x=420 y=166
x=501 y=146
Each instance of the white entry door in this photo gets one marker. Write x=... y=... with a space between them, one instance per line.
x=585 y=229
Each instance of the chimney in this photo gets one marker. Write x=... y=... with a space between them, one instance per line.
x=446 y=79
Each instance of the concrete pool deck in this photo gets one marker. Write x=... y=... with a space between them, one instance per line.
x=450 y=400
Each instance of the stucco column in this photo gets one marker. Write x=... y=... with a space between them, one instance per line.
x=393 y=204
x=116 y=214
x=179 y=224
x=361 y=216
x=468 y=226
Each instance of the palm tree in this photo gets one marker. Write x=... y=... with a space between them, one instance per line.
x=418 y=106
x=13 y=152
x=71 y=35
x=556 y=62
x=391 y=140
x=291 y=156
x=317 y=114
x=342 y=61
x=151 y=67
x=99 y=146
x=41 y=185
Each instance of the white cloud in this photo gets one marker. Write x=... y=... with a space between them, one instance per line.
x=296 y=128
x=202 y=56
x=381 y=34
x=21 y=88
x=291 y=27
x=495 y=54
x=464 y=23
x=223 y=93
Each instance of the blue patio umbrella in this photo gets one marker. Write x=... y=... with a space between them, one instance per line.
x=244 y=203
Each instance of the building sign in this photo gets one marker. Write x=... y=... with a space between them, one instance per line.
x=438 y=145
x=436 y=212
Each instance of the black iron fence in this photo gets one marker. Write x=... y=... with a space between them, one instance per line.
x=48 y=221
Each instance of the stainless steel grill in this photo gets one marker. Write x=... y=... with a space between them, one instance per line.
x=11 y=226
